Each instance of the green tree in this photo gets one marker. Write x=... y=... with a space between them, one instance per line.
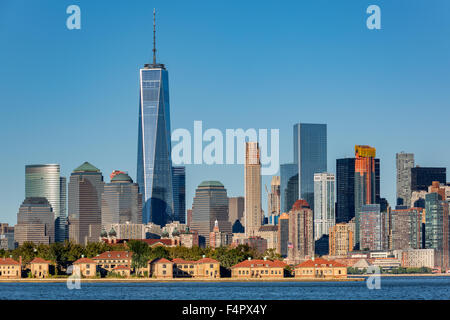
x=141 y=253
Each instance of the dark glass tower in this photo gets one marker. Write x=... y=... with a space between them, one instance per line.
x=423 y=177
x=288 y=186
x=154 y=165
x=345 y=189
x=179 y=194
x=310 y=154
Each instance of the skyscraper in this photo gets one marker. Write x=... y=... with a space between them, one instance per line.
x=44 y=180
x=341 y=239
x=283 y=234
x=406 y=229
x=371 y=227
x=236 y=206
x=310 y=154
x=324 y=215
x=179 y=194
x=367 y=182
x=301 y=232
x=85 y=198
x=423 y=177
x=154 y=164
x=253 y=212
x=405 y=161
x=210 y=204
x=288 y=185
x=345 y=189
x=121 y=202
x=273 y=197
x=35 y=222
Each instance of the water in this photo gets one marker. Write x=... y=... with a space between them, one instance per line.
x=398 y=288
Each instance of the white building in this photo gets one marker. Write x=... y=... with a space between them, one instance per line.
x=324 y=216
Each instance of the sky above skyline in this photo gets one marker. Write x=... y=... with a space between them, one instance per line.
x=69 y=96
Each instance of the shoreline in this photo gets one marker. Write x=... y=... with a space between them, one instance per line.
x=404 y=275
x=150 y=280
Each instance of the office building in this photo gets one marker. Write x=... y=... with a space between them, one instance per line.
x=405 y=162
x=210 y=204
x=179 y=194
x=324 y=201
x=310 y=154
x=44 y=180
x=340 y=240
x=253 y=215
x=345 y=189
x=85 y=201
x=406 y=229
x=423 y=177
x=121 y=202
x=283 y=234
x=6 y=237
x=35 y=222
x=236 y=206
x=371 y=228
x=301 y=232
x=154 y=163
x=288 y=185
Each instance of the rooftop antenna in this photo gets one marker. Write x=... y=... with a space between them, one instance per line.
x=154 y=36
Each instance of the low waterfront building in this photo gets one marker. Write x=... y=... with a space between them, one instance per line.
x=257 y=268
x=321 y=268
x=109 y=260
x=10 y=268
x=86 y=266
x=122 y=270
x=203 y=268
x=40 y=268
x=160 y=268
x=416 y=258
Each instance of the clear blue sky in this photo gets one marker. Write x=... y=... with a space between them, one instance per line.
x=69 y=96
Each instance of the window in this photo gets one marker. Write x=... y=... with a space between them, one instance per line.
x=164 y=266
x=211 y=266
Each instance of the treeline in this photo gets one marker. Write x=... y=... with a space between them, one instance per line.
x=64 y=254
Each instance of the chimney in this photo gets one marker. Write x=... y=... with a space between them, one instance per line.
x=203 y=256
x=265 y=258
x=20 y=261
x=249 y=258
x=82 y=255
x=313 y=257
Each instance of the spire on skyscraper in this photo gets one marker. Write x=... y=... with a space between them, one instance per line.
x=154 y=36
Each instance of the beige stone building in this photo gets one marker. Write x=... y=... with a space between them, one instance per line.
x=160 y=268
x=40 y=268
x=122 y=270
x=320 y=268
x=258 y=269
x=87 y=267
x=10 y=268
x=203 y=268
x=253 y=212
x=108 y=260
x=340 y=240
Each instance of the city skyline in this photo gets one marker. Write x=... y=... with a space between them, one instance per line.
x=426 y=152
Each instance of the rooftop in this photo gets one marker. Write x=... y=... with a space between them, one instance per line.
x=210 y=184
x=86 y=167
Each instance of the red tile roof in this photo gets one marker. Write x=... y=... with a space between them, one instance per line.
x=40 y=260
x=121 y=268
x=114 y=255
x=260 y=263
x=161 y=260
x=84 y=260
x=318 y=262
x=8 y=261
x=207 y=260
x=179 y=260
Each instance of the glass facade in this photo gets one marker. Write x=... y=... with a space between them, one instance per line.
x=423 y=177
x=44 y=180
x=310 y=154
x=324 y=217
x=154 y=165
x=288 y=185
x=179 y=194
x=345 y=189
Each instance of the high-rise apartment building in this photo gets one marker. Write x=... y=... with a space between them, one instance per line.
x=35 y=222
x=423 y=177
x=85 y=202
x=236 y=207
x=288 y=185
x=253 y=215
x=371 y=227
x=367 y=182
x=324 y=215
x=179 y=194
x=406 y=229
x=273 y=198
x=340 y=239
x=210 y=204
x=121 y=202
x=405 y=162
x=283 y=234
x=301 y=232
x=310 y=155
x=44 y=180
x=345 y=189
x=154 y=162
x=437 y=227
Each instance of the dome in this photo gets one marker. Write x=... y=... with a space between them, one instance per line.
x=211 y=184
x=112 y=232
x=300 y=204
x=122 y=177
x=86 y=167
